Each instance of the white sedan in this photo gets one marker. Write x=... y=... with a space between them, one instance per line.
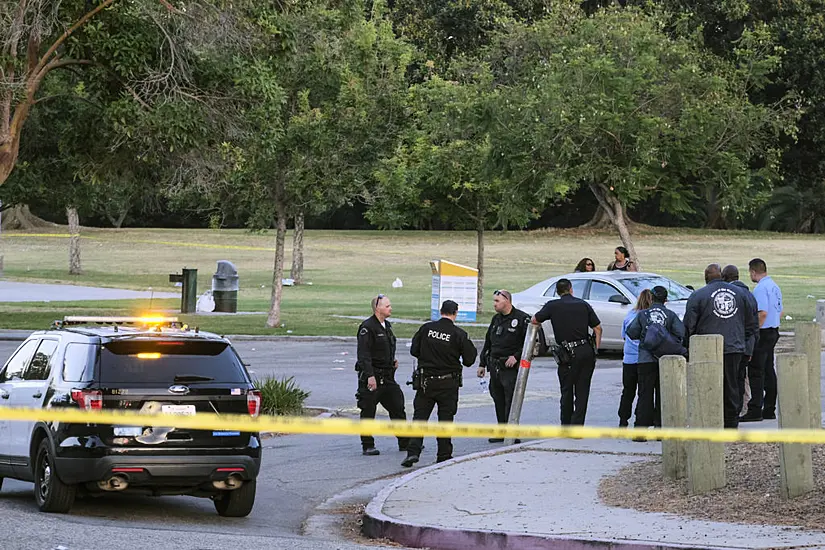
x=611 y=293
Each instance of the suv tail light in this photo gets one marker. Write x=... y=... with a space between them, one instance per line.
x=253 y=402
x=91 y=400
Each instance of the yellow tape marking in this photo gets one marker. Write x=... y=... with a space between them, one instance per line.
x=340 y=426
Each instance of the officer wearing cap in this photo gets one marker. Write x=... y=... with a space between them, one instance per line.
x=571 y=318
x=720 y=308
x=441 y=349
x=502 y=348
x=376 y=368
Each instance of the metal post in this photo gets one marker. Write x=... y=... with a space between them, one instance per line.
x=523 y=373
x=189 y=291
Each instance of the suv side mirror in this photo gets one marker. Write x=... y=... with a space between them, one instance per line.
x=690 y=287
x=619 y=299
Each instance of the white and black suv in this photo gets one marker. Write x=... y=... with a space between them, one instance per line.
x=139 y=365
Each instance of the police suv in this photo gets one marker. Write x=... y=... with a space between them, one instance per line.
x=135 y=364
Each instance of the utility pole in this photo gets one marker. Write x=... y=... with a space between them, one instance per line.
x=523 y=373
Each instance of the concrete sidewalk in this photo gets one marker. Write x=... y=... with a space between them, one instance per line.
x=544 y=495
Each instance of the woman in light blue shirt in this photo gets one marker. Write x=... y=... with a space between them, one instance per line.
x=630 y=375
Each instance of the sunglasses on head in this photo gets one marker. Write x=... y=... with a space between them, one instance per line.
x=378 y=299
x=501 y=293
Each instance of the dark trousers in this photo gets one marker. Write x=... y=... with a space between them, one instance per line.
x=389 y=395
x=630 y=381
x=762 y=374
x=743 y=371
x=649 y=410
x=502 y=387
x=731 y=403
x=425 y=400
x=575 y=385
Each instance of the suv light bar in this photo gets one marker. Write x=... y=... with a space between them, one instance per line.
x=131 y=321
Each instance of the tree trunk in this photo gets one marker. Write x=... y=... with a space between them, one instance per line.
x=600 y=220
x=297 y=271
x=20 y=217
x=480 y=267
x=274 y=317
x=74 y=241
x=117 y=222
x=618 y=216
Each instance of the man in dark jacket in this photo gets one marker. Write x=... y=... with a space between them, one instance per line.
x=648 y=411
x=720 y=308
x=376 y=368
x=730 y=274
x=501 y=352
x=441 y=349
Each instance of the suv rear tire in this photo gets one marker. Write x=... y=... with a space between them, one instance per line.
x=237 y=503
x=51 y=494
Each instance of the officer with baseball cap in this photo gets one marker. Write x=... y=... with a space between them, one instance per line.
x=441 y=348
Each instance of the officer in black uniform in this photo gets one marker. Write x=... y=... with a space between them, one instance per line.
x=575 y=350
x=376 y=368
x=720 y=308
x=501 y=352
x=441 y=348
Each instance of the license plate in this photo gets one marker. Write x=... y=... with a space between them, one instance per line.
x=179 y=410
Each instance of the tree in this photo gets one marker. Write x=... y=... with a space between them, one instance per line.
x=445 y=167
x=36 y=39
x=611 y=102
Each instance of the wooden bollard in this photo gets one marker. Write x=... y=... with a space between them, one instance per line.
x=705 y=460
x=808 y=340
x=795 y=465
x=707 y=347
x=673 y=377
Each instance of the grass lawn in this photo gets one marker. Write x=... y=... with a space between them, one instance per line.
x=348 y=268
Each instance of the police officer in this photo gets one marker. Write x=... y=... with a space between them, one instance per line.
x=441 y=348
x=761 y=371
x=376 y=368
x=730 y=274
x=648 y=411
x=720 y=308
x=502 y=348
x=576 y=353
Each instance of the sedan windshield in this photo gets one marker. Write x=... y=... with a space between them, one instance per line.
x=675 y=291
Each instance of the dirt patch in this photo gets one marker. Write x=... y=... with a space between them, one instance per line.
x=352 y=520
x=751 y=495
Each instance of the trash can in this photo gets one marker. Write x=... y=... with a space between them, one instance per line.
x=225 y=287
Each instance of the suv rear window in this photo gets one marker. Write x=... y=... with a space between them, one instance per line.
x=169 y=362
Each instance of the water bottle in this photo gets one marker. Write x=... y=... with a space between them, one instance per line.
x=482 y=384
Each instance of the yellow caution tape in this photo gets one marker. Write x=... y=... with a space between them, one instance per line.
x=340 y=426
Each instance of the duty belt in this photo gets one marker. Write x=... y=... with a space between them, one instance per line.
x=575 y=343
x=440 y=377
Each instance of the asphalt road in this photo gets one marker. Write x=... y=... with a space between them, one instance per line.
x=299 y=473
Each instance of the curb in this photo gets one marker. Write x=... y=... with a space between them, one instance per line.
x=378 y=525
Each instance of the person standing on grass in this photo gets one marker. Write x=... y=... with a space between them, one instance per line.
x=761 y=370
x=585 y=265
x=630 y=371
x=622 y=261
x=719 y=308
x=730 y=274
x=376 y=368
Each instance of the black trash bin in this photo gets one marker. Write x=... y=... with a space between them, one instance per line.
x=225 y=287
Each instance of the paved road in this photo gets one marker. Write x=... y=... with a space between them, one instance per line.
x=300 y=472
x=34 y=292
